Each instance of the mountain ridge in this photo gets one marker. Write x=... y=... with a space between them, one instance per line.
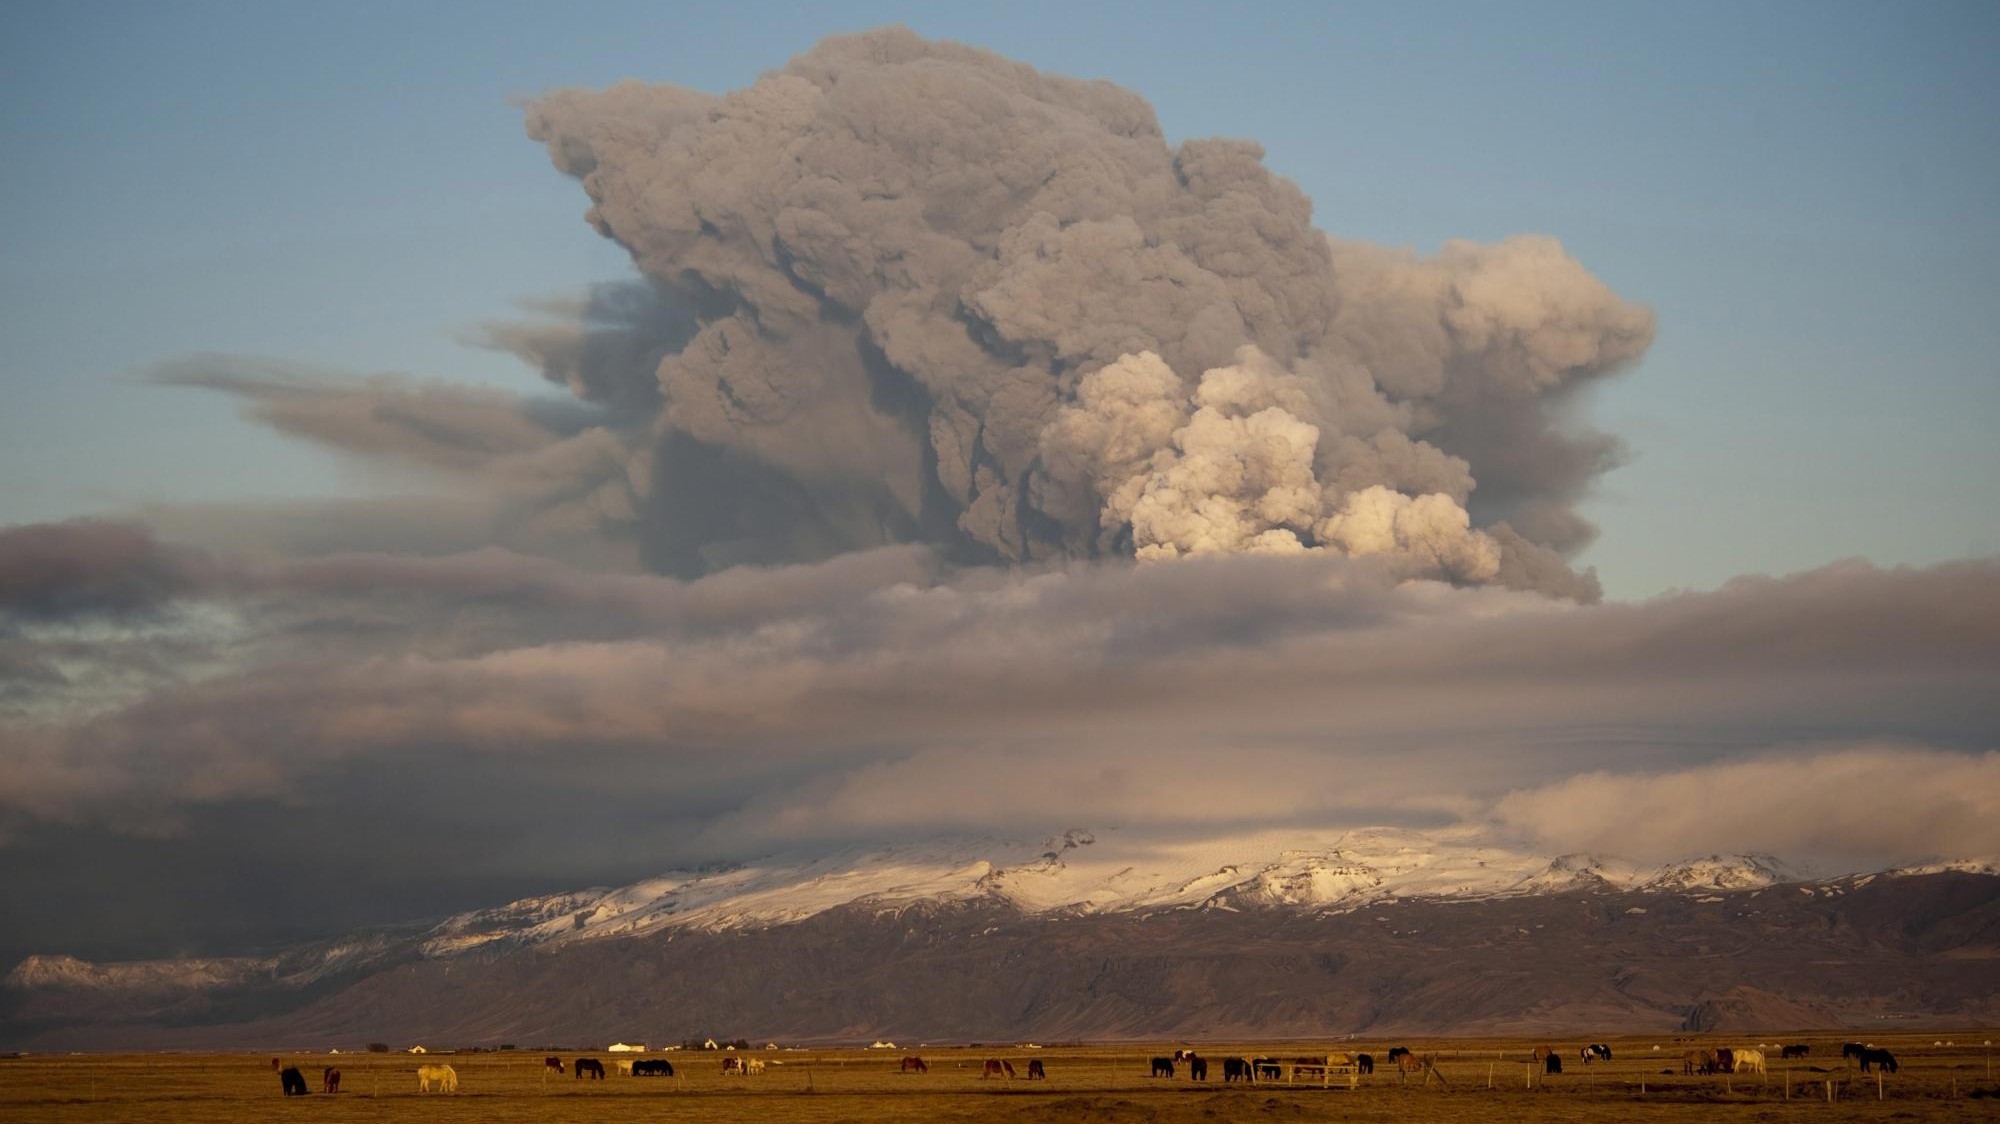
x=1382 y=929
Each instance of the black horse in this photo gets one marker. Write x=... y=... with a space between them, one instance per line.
x=1871 y=1056
x=1162 y=1067
x=1364 y=1063
x=591 y=1066
x=1269 y=1068
x=1236 y=1069
x=1197 y=1067
x=652 y=1067
x=293 y=1081
x=1796 y=1050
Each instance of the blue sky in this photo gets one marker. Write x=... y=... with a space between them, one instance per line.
x=1804 y=193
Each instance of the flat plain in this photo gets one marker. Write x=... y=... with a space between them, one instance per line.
x=1481 y=1079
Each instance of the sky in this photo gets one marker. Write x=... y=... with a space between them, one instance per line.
x=1675 y=471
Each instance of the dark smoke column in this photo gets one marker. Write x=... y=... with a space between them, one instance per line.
x=941 y=296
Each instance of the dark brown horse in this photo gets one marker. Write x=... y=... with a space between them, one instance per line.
x=591 y=1066
x=1035 y=1069
x=1796 y=1050
x=329 y=1080
x=1871 y=1056
x=914 y=1064
x=550 y=1063
x=995 y=1067
x=1162 y=1067
x=293 y=1081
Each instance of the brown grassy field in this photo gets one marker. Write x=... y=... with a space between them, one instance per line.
x=1099 y=1083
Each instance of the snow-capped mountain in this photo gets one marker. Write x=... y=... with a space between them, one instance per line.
x=1111 y=935
x=1083 y=873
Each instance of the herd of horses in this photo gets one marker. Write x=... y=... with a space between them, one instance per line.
x=1273 y=1069
x=1718 y=1060
x=294 y=1082
x=1743 y=1060
x=991 y=1067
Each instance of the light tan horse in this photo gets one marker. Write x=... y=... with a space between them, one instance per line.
x=443 y=1077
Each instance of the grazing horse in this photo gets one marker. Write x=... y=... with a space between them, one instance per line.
x=1410 y=1063
x=1701 y=1062
x=329 y=1080
x=994 y=1067
x=652 y=1067
x=1749 y=1061
x=914 y=1064
x=1236 y=1069
x=443 y=1077
x=591 y=1066
x=1035 y=1069
x=551 y=1063
x=1542 y=1053
x=1553 y=1063
x=1396 y=1053
x=1162 y=1067
x=1596 y=1052
x=1796 y=1050
x=1364 y=1063
x=293 y=1081
x=1852 y=1050
x=733 y=1065
x=1871 y=1056
x=1265 y=1068
x=1197 y=1067
x=754 y=1066
x=1182 y=1055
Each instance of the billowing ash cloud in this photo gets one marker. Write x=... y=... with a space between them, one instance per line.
x=911 y=291
x=531 y=724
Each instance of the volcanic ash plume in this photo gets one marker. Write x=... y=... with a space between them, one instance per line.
x=933 y=295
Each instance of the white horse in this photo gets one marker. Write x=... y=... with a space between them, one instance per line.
x=753 y=1066
x=442 y=1076
x=1750 y=1061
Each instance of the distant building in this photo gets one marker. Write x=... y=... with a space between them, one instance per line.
x=418 y=1050
x=626 y=1048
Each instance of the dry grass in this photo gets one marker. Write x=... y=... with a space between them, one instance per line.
x=1088 y=1084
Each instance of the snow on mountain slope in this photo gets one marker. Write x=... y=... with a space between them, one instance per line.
x=1721 y=872
x=1082 y=873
